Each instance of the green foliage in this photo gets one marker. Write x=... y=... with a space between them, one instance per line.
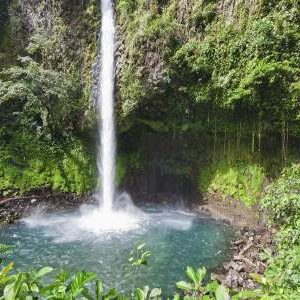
x=139 y=256
x=4 y=251
x=39 y=99
x=29 y=286
x=126 y=162
x=83 y=285
x=195 y=289
x=284 y=269
x=10 y=33
x=266 y=291
x=28 y=162
x=157 y=126
x=146 y=293
x=45 y=96
x=161 y=25
x=240 y=180
x=185 y=60
x=204 y=13
x=131 y=91
x=282 y=199
x=23 y=285
x=127 y=6
x=42 y=111
x=281 y=202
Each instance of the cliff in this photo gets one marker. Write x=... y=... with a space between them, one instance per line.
x=207 y=94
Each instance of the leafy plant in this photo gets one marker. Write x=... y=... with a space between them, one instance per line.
x=195 y=288
x=4 y=251
x=23 y=285
x=138 y=257
x=282 y=200
x=240 y=180
x=77 y=286
x=146 y=293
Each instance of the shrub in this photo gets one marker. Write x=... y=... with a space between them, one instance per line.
x=282 y=198
x=240 y=180
x=282 y=203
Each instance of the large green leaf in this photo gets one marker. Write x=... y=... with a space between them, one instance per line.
x=141 y=294
x=211 y=287
x=155 y=293
x=183 y=285
x=222 y=293
x=4 y=278
x=80 y=280
x=112 y=294
x=248 y=294
x=191 y=273
x=42 y=272
x=99 y=289
x=12 y=290
x=201 y=274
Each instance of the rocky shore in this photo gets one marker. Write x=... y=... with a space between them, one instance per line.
x=13 y=209
x=233 y=211
x=252 y=239
x=247 y=258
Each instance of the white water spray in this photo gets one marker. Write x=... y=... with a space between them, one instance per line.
x=106 y=159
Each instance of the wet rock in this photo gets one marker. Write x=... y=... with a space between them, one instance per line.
x=244 y=275
x=240 y=267
x=260 y=267
x=249 y=284
x=226 y=266
x=13 y=209
x=238 y=242
x=246 y=257
x=233 y=279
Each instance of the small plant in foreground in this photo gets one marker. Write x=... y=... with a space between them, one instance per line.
x=195 y=289
x=138 y=257
x=4 y=250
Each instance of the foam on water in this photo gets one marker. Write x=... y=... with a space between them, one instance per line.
x=89 y=221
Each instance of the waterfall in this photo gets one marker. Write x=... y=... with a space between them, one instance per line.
x=116 y=212
x=106 y=156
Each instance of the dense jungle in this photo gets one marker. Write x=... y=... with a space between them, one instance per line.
x=207 y=114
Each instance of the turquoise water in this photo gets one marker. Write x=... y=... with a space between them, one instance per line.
x=175 y=238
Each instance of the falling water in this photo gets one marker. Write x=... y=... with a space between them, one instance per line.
x=117 y=212
x=106 y=158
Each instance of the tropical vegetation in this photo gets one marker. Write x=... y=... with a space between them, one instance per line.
x=207 y=91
